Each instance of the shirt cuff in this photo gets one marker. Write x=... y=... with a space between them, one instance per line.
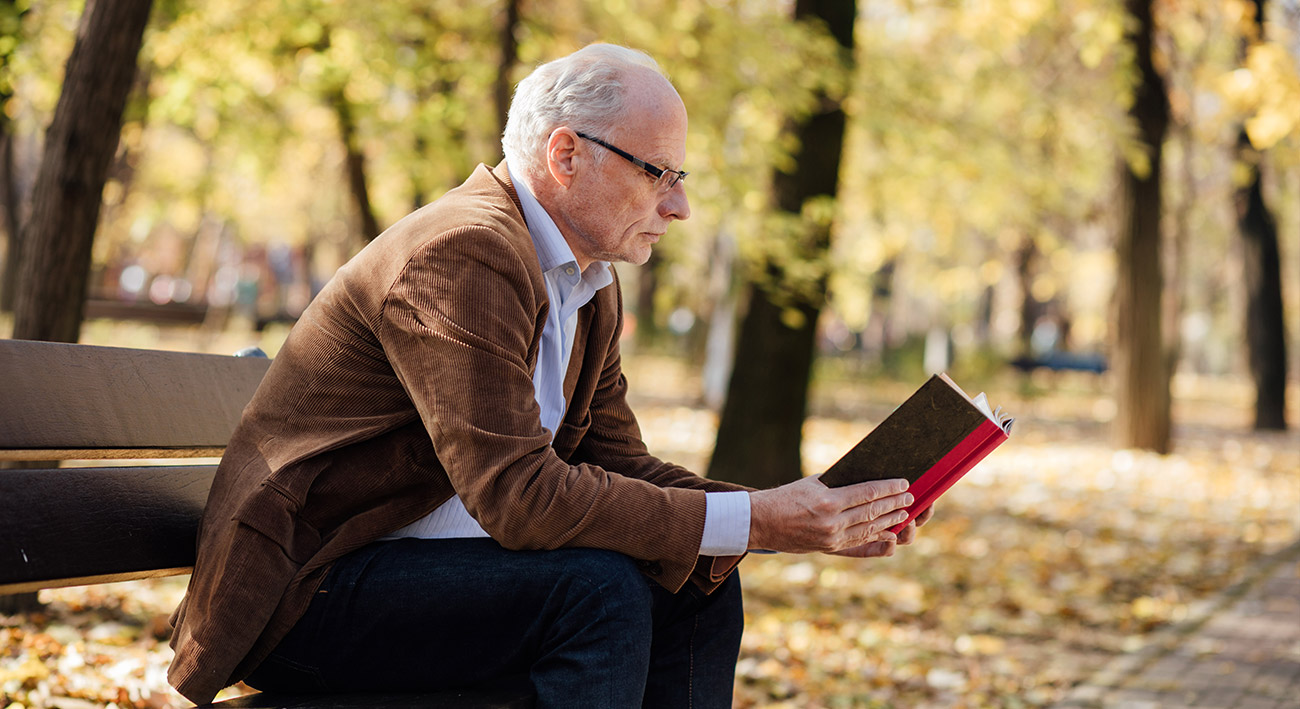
x=726 y=524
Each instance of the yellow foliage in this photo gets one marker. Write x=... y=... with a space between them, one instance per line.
x=1266 y=89
x=1138 y=158
x=29 y=670
x=1277 y=104
x=980 y=645
x=1044 y=287
x=991 y=272
x=1096 y=34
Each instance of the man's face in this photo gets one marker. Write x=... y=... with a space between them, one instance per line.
x=613 y=211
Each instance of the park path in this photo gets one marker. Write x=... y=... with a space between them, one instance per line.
x=1239 y=651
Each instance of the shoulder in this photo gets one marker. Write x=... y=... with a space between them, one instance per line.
x=482 y=214
x=473 y=234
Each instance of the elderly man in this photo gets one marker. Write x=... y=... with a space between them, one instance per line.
x=439 y=482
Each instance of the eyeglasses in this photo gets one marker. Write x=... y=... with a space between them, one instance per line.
x=665 y=179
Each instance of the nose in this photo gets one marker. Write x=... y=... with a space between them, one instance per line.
x=674 y=204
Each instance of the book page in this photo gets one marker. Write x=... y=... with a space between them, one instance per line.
x=1003 y=421
x=981 y=402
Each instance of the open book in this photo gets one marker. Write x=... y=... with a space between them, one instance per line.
x=933 y=438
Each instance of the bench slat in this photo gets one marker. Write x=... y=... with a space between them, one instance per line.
x=108 y=453
x=64 y=527
x=80 y=397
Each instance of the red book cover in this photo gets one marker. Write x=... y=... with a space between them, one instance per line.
x=933 y=438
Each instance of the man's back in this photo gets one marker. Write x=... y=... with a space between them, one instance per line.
x=332 y=430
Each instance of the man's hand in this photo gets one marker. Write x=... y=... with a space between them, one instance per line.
x=886 y=547
x=806 y=516
x=908 y=535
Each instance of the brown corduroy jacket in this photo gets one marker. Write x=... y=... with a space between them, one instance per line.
x=408 y=380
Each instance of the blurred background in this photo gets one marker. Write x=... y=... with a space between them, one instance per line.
x=1089 y=209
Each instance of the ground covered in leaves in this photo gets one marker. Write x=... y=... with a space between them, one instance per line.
x=1058 y=552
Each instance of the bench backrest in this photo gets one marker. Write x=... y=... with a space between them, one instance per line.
x=60 y=402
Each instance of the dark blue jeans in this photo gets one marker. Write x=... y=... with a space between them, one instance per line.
x=584 y=626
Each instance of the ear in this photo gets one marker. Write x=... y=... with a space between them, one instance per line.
x=561 y=155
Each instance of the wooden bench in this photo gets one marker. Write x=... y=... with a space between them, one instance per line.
x=135 y=518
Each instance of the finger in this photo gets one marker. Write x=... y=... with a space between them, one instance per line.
x=876 y=489
x=925 y=516
x=884 y=547
x=874 y=529
x=885 y=505
x=891 y=520
x=908 y=534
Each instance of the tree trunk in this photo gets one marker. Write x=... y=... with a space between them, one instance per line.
x=878 y=337
x=1265 y=325
x=1142 y=374
x=647 y=282
x=11 y=17
x=13 y=219
x=419 y=186
x=69 y=186
x=505 y=67
x=761 y=428
x=1030 y=308
x=1176 y=257
x=355 y=166
x=719 y=352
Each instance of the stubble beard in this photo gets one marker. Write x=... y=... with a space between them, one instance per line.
x=631 y=251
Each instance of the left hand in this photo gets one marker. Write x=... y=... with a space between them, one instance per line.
x=908 y=534
x=885 y=547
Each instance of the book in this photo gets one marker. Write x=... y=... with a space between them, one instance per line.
x=933 y=438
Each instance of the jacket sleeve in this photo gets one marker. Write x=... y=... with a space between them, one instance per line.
x=613 y=438
x=461 y=326
x=613 y=441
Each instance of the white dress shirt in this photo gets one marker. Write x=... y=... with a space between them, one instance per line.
x=726 y=520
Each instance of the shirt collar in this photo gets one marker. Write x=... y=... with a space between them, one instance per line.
x=552 y=250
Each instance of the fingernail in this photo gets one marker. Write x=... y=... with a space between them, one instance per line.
x=908 y=499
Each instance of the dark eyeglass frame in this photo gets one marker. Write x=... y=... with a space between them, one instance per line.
x=665 y=178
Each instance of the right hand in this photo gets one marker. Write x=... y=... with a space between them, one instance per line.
x=806 y=516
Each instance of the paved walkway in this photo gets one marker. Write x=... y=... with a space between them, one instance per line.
x=1239 y=651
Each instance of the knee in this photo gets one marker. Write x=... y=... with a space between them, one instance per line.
x=608 y=572
x=607 y=584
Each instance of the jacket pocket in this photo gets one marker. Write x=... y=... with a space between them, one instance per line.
x=274 y=515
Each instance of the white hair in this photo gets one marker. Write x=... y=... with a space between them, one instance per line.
x=584 y=91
